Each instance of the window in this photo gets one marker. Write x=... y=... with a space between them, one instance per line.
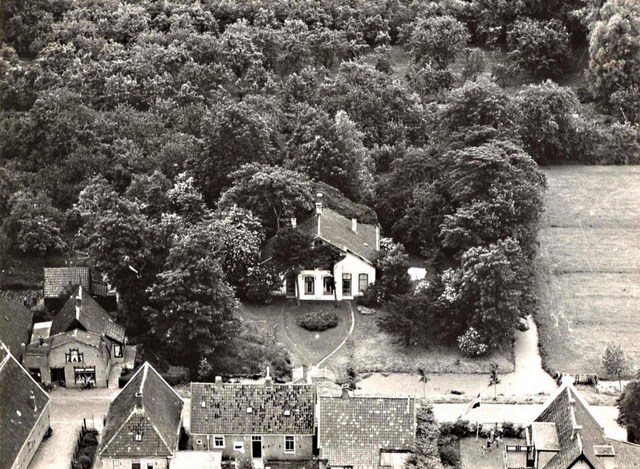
x=135 y=465
x=218 y=441
x=289 y=444
x=363 y=282
x=249 y=410
x=238 y=445
x=138 y=436
x=203 y=404
x=117 y=351
x=309 y=285
x=84 y=375
x=149 y=465
x=74 y=356
x=346 y=284
x=286 y=413
x=327 y=285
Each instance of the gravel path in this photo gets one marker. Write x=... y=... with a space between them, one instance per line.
x=528 y=378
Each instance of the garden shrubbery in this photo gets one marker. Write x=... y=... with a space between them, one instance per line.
x=318 y=321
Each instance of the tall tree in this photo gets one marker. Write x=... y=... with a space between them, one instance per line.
x=615 y=362
x=629 y=410
x=436 y=39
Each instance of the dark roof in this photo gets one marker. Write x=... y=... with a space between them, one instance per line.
x=23 y=402
x=336 y=230
x=82 y=311
x=147 y=406
x=276 y=409
x=567 y=409
x=353 y=430
x=58 y=279
x=15 y=325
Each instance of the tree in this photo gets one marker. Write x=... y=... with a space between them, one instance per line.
x=546 y=123
x=424 y=379
x=425 y=453
x=615 y=362
x=271 y=193
x=539 y=46
x=393 y=268
x=33 y=224
x=614 y=48
x=436 y=38
x=494 y=380
x=629 y=410
x=474 y=64
x=405 y=321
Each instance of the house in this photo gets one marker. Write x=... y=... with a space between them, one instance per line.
x=24 y=413
x=59 y=280
x=143 y=425
x=267 y=422
x=361 y=432
x=82 y=345
x=566 y=435
x=15 y=326
x=360 y=243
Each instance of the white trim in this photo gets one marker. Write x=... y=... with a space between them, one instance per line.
x=223 y=441
x=293 y=439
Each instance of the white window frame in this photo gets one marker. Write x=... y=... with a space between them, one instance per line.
x=215 y=443
x=331 y=289
x=290 y=439
x=360 y=279
x=117 y=354
x=349 y=277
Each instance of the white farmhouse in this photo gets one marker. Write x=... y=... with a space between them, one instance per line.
x=353 y=274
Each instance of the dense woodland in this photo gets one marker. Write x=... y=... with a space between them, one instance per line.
x=170 y=139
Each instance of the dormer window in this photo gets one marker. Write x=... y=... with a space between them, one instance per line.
x=286 y=413
x=203 y=404
x=138 y=436
x=249 y=410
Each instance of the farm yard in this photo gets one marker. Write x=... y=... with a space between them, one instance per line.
x=589 y=266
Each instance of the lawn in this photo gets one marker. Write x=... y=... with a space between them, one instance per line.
x=371 y=349
x=589 y=266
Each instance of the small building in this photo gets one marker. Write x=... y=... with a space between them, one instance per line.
x=143 y=425
x=58 y=281
x=15 y=326
x=566 y=435
x=24 y=413
x=267 y=423
x=82 y=345
x=362 y=432
x=360 y=243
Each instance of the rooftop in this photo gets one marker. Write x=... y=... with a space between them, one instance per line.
x=144 y=419
x=58 y=279
x=354 y=430
x=15 y=322
x=219 y=408
x=23 y=402
x=82 y=311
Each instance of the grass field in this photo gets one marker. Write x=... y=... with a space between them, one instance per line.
x=589 y=266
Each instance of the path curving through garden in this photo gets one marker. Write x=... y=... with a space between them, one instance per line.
x=353 y=322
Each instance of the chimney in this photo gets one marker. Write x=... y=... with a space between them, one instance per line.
x=33 y=402
x=41 y=341
x=139 y=404
x=354 y=225
x=294 y=223
x=345 y=392
x=268 y=382
x=319 y=203
x=218 y=379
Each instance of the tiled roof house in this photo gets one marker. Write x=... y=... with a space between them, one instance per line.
x=15 y=326
x=84 y=342
x=360 y=243
x=58 y=281
x=567 y=435
x=272 y=422
x=143 y=423
x=365 y=432
x=24 y=413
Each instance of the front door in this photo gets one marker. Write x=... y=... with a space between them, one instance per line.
x=57 y=376
x=256 y=447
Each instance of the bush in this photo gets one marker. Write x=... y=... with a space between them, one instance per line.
x=470 y=343
x=318 y=321
x=512 y=430
x=450 y=453
x=370 y=297
x=539 y=46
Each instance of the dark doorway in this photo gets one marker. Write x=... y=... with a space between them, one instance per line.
x=57 y=376
x=256 y=447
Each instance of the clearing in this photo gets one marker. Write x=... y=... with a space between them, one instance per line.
x=589 y=266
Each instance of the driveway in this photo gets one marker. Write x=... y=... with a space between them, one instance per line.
x=68 y=409
x=528 y=378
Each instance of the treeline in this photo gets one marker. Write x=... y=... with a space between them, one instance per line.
x=141 y=130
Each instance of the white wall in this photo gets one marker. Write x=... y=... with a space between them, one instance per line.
x=351 y=264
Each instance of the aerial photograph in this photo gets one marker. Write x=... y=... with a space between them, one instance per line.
x=319 y=234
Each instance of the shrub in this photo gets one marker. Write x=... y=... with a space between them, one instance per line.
x=370 y=297
x=471 y=345
x=626 y=104
x=436 y=39
x=450 y=453
x=313 y=321
x=539 y=46
x=512 y=430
